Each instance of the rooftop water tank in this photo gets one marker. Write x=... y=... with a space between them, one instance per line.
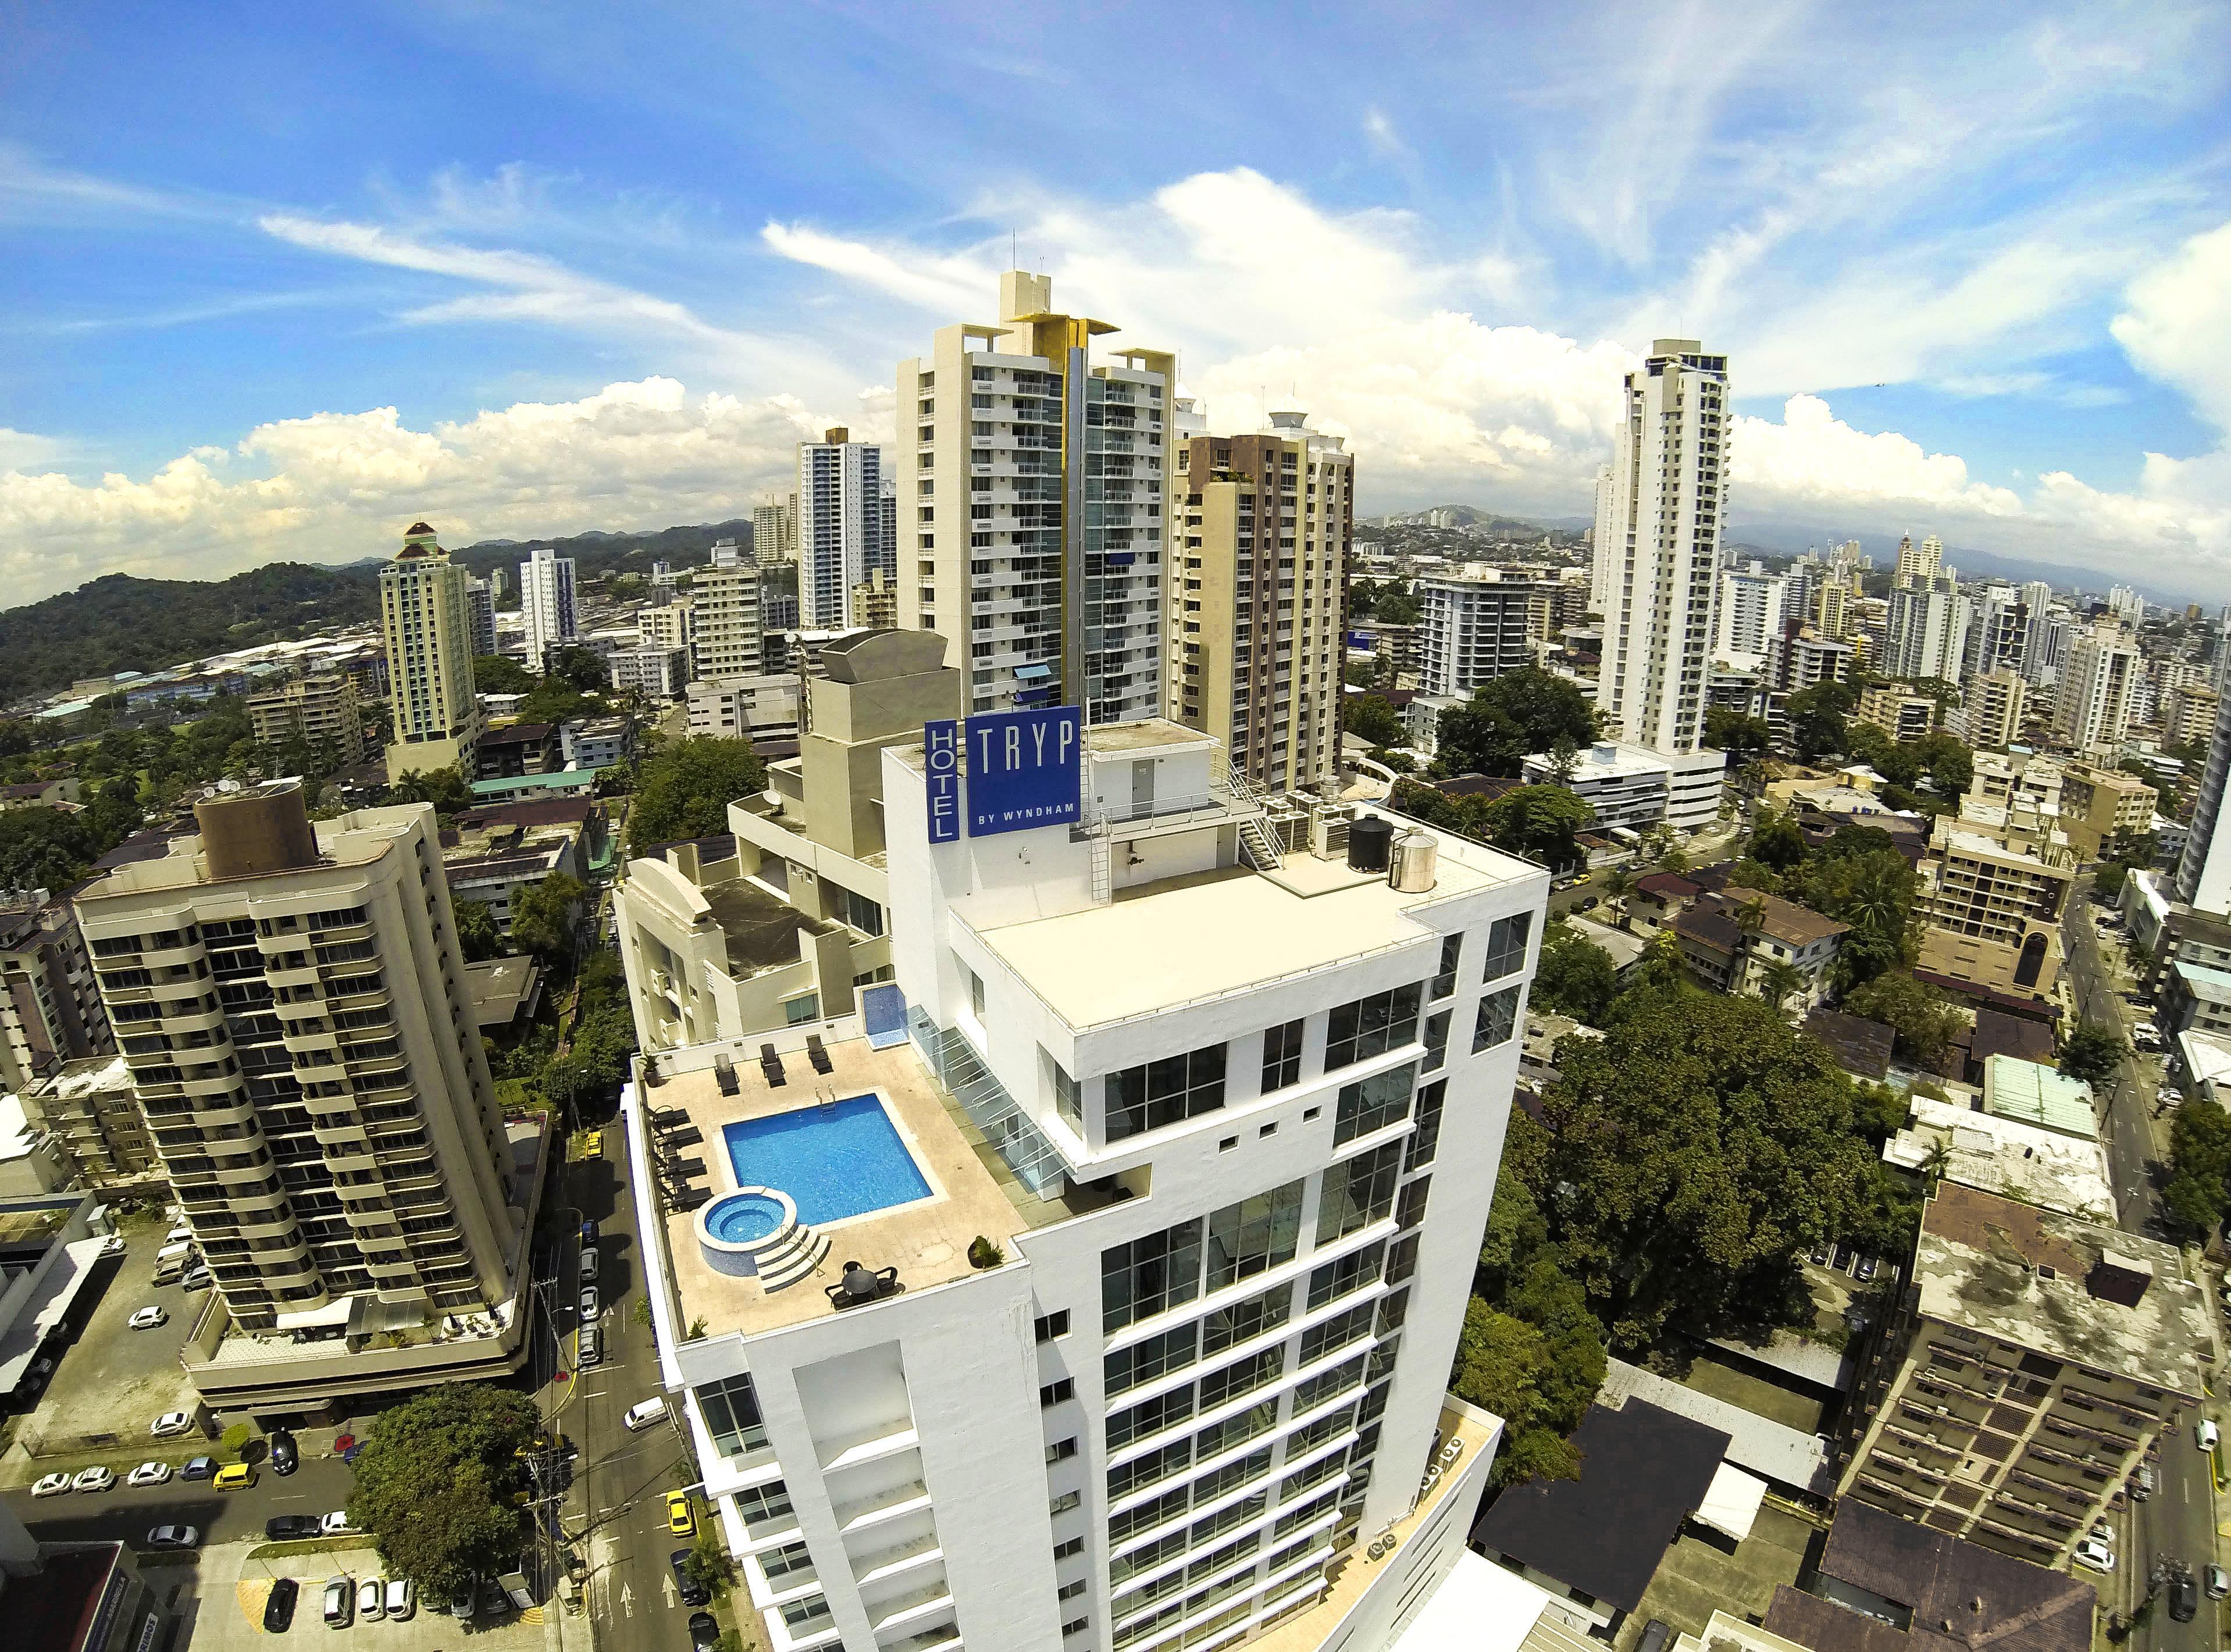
x=1415 y=862
x=1367 y=839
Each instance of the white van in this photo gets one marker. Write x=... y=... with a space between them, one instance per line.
x=643 y=1415
x=178 y=1235
x=173 y=1253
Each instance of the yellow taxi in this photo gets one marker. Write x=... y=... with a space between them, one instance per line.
x=592 y=1145
x=681 y=1519
x=233 y=1476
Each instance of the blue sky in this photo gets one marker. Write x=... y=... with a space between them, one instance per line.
x=282 y=278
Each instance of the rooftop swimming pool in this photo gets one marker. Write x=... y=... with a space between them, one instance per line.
x=837 y=1159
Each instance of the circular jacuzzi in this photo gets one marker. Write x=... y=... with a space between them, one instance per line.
x=736 y=1230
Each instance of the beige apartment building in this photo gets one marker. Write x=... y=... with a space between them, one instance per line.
x=2024 y=1374
x=1991 y=903
x=1903 y=715
x=724 y=606
x=784 y=929
x=874 y=603
x=2189 y=713
x=1258 y=596
x=671 y=625
x=318 y=708
x=2093 y=697
x=1034 y=498
x=2096 y=802
x=425 y=618
x=292 y=1005
x=90 y=1109
x=1992 y=713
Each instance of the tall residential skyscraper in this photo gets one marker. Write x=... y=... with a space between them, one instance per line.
x=1160 y=1214
x=480 y=603
x=774 y=530
x=292 y=1003
x=425 y=617
x=1035 y=493
x=2203 y=876
x=2091 y=705
x=2038 y=658
x=1259 y=599
x=545 y=601
x=1660 y=603
x=724 y=601
x=1750 y=614
x=1996 y=631
x=1928 y=630
x=1478 y=626
x=1919 y=563
x=840 y=524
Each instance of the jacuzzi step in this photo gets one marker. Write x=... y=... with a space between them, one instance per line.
x=797 y=1264
x=786 y=1245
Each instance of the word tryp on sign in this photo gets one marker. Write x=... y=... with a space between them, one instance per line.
x=1025 y=768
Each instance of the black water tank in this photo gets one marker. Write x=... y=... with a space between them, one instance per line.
x=1367 y=839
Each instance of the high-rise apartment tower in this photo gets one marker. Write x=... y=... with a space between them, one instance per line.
x=840 y=524
x=425 y=617
x=546 y=602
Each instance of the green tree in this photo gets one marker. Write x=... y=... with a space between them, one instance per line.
x=1817 y=718
x=543 y=916
x=1736 y=732
x=1692 y=1153
x=1544 y=823
x=709 y=1566
x=1778 y=980
x=685 y=790
x=498 y=673
x=1868 y=886
x=1396 y=606
x=1507 y=719
x=444 y=788
x=1777 y=841
x=2092 y=1052
x=580 y=669
x=2199 y=1187
x=1374 y=717
x=1923 y=1019
x=433 y=1486
x=476 y=931
x=1575 y=976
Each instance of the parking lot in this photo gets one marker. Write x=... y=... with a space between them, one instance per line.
x=112 y=1380
x=231 y=1591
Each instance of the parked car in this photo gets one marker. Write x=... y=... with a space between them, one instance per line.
x=644 y=1413
x=112 y=1246
x=148 y=1318
x=681 y=1519
x=2183 y=1598
x=589 y=1266
x=286 y=1456
x=462 y=1599
x=2142 y=1483
x=1820 y=1256
x=171 y=1423
x=173 y=1537
x=340 y=1601
x=93 y=1480
x=2218 y=1581
x=592 y=1347
x=278 y=1606
x=2204 y=1434
x=692 y=1592
x=401 y=1598
x=288 y=1528
x=704 y=1632
x=336 y=1523
x=234 y=1476
x=371 y=1599
x=588 y=1233
x=199 y=1468
x=2089 y=1552
x=1868 y=1267
x=148 y=1473
x=197 y=1280
x=51 y=1485
x=591 y=1303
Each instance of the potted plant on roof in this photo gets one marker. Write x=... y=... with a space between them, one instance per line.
x=982 y=1253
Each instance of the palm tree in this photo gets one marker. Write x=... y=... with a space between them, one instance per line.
x=1618 y=884
x=1778 y=979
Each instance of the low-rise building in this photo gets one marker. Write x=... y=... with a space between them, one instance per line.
x=596 y=742
x=2096 y=804
x=2037 y=1094
x=1991 y=909
x=761 y=709
x=41 y=794
x=321 y=709
x=79 y=1597
x=1896 y=710
x=1732 y=942
x=2004 y=1154
x=511 y=750
x=1625 y=785
x=2025 y=1375
x=88 y=1109
x=47 y=1252
x=2195 y=997
x=494 y=851
x=652 y=670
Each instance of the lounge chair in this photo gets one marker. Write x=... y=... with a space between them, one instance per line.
x=817 y=1055
x=724 y=1073
x=771 y=1064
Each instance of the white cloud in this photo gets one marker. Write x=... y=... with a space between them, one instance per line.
x=338 y=486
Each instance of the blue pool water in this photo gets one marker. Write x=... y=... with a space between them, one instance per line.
x=837 y=1160
x=741 y=1217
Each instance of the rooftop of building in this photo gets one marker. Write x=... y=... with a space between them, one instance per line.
x=2209 y=984
x=1860 y=1047
x=56 y=1606
x=2035 y=1094
x=1773 y=1450
x=972 y=1191
x=2033 y=1278
x=1996 y=1033
x=1644 y=1470
x=1240 y=928
x=1930 y=1592
x=88 y=1075
x=1953 y=838
x=2005 y=1156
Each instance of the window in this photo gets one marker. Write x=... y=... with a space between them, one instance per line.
x=1358 y=1192
x=862 y=913
x=1444 y=980
x=1282 y=1056
x=975 y=991
x=1436 y=1040
x=1068 y=1099
x=1253 y=1236
x=806 y=1617
x=1166 y=1091
x=1506 y=945
x=1053 y=1325
x=731 y=1412
x=1071 y=1590
x=1245 y=1320
x=1062 y=1451
x=1220 y=1438
x=1242 y=1377
x=1155 y=1272
x=1412 y=1209
x=1336 y=1332
x=1498 y=1013
x=1068 y=1547
x=1374 y=1103
x=1370 y=1027
x=1156 y=1355
x=1076 y=1626
x=1123 y=1478
x=790 y=1557
x=1065 y=1503
x=1427 y=1136
x=1150 y=1416
x=1351 y=1272
x=1054 y=1392
x=806 y=1007
x=769 y=1502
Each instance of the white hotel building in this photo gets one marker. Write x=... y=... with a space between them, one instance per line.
x=1231 y=1119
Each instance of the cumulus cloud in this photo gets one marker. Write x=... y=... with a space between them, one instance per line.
x=338 y=486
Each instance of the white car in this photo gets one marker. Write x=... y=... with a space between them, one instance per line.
x=112 y=1246
x=337 y=1524
x=401 y=1598
x=173 y=1537
x=51 y=1485
x=148 y=1318
x=148 y=1473
x=2204 y=1434
x=171 y=1423
x=2095 y=1554
x=371 y=1599
x=93 y=1480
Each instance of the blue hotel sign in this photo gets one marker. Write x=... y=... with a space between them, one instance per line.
x=1025 y=768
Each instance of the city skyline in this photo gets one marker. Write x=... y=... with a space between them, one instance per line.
x=527 y=278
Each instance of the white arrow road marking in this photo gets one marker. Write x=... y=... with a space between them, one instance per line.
x=627 y=1599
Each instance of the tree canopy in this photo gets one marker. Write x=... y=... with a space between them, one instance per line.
x=1374 y=717
x=684 y=790
x=542 y=916
x=476 y=931
x=2199 y=1187
x=1817 y=719
x=433 y=1486
x=1543 y=822
x=1575 y=976
x=1509 y=719
x=1859 y=878
x=1923 y=1018
x=499 y=674
x=1736 y=732
x=2092 y=1052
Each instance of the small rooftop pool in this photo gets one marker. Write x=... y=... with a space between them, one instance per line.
x=834 y=1160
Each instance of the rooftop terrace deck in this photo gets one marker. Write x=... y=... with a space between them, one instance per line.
x=927 y=1240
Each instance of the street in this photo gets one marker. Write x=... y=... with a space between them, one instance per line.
x=2177 y=1523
